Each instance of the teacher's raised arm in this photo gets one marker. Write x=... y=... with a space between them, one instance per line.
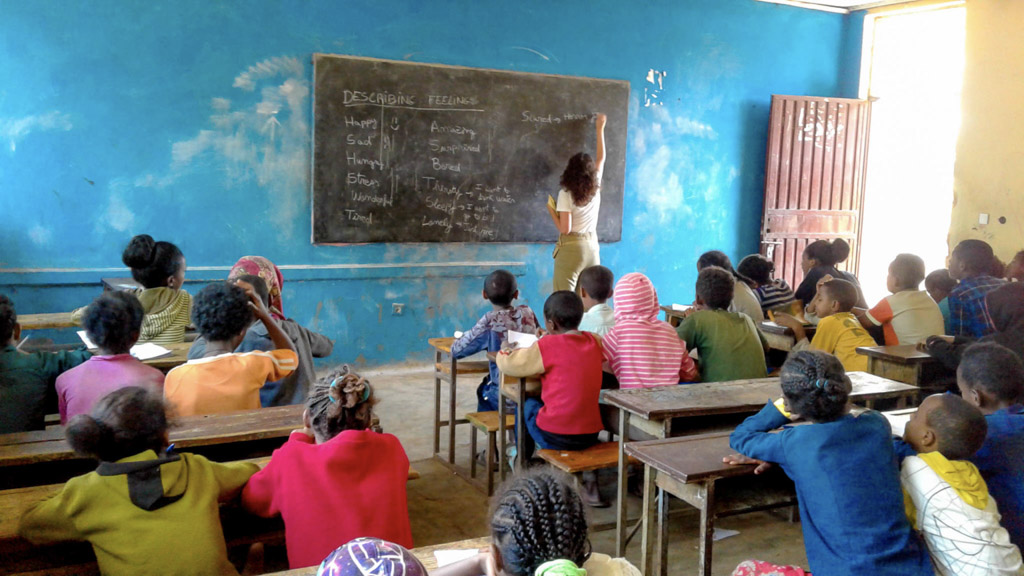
x=576 y=211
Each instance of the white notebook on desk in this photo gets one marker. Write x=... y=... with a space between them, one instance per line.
x=142 y=352
x=521 y=339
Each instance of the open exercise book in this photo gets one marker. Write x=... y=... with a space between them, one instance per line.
x=142 y=352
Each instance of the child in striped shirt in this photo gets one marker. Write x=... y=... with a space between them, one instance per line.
x=642 y=350
x=771 y=292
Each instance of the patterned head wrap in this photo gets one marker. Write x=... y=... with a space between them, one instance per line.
x=371 y=557
x=265 y=269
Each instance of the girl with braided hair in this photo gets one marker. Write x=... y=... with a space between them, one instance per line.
x=335 y=479
x=539 y=528
x=844 y=469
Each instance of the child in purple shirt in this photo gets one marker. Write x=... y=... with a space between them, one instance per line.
x=113 y=322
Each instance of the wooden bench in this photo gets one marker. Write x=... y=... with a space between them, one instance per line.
x=486 y=422
x=598 y=457
x=21 y=557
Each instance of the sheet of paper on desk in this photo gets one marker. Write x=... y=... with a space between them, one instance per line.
x=898 y=422
x=680 y=307
x=149 y=351
x=458 y=333
x=446 y=557
x=521 y=339
x=85 y=340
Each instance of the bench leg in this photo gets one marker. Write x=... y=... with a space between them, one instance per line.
x=620 y=500
x=707 y=527
x=437 y=404
x=649 y=521
x=472 y=451
x=451 y=413
x=491 y=445
x=502 y=432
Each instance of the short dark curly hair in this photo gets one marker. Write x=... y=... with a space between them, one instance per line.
x=221 y=311
x=715 y=287
x=113 y=321
x=8 y=319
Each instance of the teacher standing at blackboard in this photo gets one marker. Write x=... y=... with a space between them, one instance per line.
x=575 y=214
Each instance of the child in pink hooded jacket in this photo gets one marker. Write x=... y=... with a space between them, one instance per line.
x=642 y=350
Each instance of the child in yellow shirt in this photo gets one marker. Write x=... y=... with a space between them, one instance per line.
x=143 y=510
x=839 y=332
x=222 y=380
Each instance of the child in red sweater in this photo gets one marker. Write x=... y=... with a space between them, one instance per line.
x=567 y=416
x=335 y=479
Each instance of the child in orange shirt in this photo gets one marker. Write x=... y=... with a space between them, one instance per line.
x=223 y=381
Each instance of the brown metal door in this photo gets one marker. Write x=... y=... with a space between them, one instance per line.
x=814 y=178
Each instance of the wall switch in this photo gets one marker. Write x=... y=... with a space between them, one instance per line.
x=396 y=309
x=982 y=218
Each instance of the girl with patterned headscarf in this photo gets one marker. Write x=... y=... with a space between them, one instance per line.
x=265 y=269
x=335 y=479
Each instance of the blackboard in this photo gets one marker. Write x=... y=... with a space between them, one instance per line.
x=408 y=152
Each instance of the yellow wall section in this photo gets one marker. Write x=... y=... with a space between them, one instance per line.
x=989 y=170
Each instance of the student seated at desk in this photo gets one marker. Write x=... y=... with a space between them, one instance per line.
x=491 y=331
x=946 y=497
x=847 y=485
x=293 y=388
x=1005 y=308
x=744 y=301
x=819 y=259
x=538 y=528
x=222 y=380
x=729 y=345
x=144 y=511
x=939 y=285
x=335 y=479
x=112 y=323
x=567 y=416
x=771 y=292
x=595 y=288
x=1014 y=271
x=992 y=378
x=160 y=268
x=839 y=332
x=27 y=379
x=909 y=315
x=971 y=265
x=642 y=350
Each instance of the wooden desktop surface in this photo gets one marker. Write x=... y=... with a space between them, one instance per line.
x=738 y=396
x=901 y=354
x=43 y=321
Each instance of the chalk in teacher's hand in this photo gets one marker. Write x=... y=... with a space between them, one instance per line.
x=551 y=202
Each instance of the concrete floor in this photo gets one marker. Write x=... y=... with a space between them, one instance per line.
x=444 y=508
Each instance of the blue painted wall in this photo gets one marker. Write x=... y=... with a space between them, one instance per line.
x=118 y=118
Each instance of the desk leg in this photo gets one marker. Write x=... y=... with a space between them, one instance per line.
x=620 y=501
x=521 y=427
x=649 y=521
x=451 y=414
x=663 y=497
x=707 y=527
x=502 y=434
x=437 y=403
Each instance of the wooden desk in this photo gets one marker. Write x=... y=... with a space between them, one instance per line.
x=110 y=284
x=43 y=321
x=44 y=456
x=179 y=356
x=448 y=369
x=516 y=390
x=652 y=410
x=780 y=337
x=689 y=469
x=903 y=363
x=673 y=316
x=425 y=554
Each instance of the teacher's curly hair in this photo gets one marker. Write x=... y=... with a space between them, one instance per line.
x=580 y=178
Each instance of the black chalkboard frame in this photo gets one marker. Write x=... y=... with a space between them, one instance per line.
x=531 y=122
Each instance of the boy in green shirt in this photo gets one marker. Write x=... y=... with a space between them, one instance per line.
x=27 y=379
x=729 y=344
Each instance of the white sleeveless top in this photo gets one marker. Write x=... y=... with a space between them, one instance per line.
x=584 y=218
